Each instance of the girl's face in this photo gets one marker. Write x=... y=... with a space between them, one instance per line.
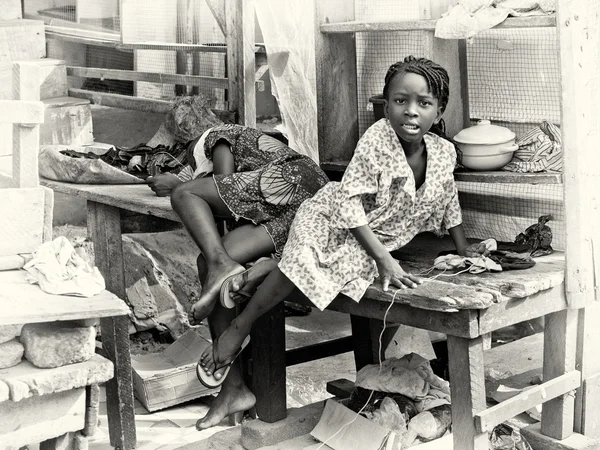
x=410 y=107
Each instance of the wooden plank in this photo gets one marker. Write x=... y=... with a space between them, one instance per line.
x=76 y=39
x=539 y=441
x=22 y=40
x=509 y=177
x=37 y=419
x=361 y=335
x=138 y=103
x=10 y=10
x=26 y=140
x=517 y=310
x=132 y=197
x=92 y=403
x=23 y=302
x=320 y=350
x=341 y=388
x=462 y=323
x=587 y=414
x=427 y=25
x=21 y=221
x=240 y=17
x=485 y=421
x=336 y=83
x=143 y=223
x=467 y=383
x=48 y=214
x=268 y=365
x=21 y=112
x=560 y=339
x=578 y=35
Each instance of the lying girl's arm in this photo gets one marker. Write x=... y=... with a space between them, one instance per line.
x=390 y=271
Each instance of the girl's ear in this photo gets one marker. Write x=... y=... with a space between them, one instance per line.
x=438 y=117
x=386 y=107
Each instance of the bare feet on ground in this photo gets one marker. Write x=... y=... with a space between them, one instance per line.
x=231 y=399
x=210 y=290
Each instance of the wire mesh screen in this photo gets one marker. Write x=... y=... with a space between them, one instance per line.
x=376 y=52
x=143 y=25
x=514 y=75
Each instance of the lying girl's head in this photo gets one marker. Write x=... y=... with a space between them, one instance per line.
x=416 y=94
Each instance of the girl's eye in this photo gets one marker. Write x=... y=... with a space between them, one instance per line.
x=425 y=103
x=400 y=101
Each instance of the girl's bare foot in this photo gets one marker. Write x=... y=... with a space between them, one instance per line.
x=230 y=400
x=244 y=285
x=214 y=359
x=210 y=290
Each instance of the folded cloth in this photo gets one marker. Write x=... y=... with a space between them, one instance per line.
x=470 y=17
x=540 y=150
x=58 y=269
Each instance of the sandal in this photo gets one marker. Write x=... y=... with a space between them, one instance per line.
x=209 y=380
x=224 y=296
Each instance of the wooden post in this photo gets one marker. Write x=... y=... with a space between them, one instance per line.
x=468 y=391
x=579 y=37
x=337 y=98
x=560 y=334
x=104 y=227
x=361 y=341
x=26 y=137
x=240 y=59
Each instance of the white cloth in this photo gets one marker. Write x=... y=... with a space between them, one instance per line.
x=470 y=17
x=59 y=270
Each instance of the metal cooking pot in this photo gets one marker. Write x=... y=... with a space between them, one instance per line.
x=486 y=146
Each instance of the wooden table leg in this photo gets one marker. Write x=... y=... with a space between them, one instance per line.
x=467 y=385
x=104 y=227
x=361 y=337
x=560 y=341
x=268 y=365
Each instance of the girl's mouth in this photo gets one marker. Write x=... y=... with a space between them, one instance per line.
x=410 y=127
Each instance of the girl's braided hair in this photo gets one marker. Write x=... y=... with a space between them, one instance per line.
x=437 y=79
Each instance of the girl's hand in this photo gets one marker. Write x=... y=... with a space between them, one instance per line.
x=163 y=184
x=390 y=272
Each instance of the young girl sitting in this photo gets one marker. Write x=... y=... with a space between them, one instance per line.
x=398 y=183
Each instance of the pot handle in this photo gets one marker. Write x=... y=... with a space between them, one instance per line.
x=512 y=148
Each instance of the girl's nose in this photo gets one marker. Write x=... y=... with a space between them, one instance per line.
x=411 y=109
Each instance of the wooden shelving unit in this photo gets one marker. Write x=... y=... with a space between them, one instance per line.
x=568 y=422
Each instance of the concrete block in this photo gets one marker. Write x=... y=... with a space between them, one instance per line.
x=52 y=79
x=55 y=344
x=38 y=419
x=68 y=121
x=10 y=10
x=299 y=421
x=11 y=353
x=8 y=332
x=22 y=39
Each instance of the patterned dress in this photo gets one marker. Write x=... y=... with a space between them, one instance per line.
x=322 y=258
x=270 y=181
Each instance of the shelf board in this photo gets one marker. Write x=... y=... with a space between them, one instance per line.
x=509 y=177
x=429 y=25
x=477 y=177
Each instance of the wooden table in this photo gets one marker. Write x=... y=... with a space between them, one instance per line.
x=44 y=405
x=465 y=307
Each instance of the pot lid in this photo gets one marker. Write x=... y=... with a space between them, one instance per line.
x=484 y=133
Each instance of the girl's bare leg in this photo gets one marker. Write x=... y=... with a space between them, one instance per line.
x=234 y=395
x=197 y=203
x=242 y=245
x=274 y=289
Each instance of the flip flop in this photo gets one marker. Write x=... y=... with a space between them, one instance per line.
x=209 y=380
x=224 y=296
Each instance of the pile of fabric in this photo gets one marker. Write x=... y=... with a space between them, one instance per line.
x=404 y=396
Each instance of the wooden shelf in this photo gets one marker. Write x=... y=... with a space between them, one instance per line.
x=429 y=25
x=477 y=177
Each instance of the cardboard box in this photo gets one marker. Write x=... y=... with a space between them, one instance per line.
x=169 y=378
x=341 y=428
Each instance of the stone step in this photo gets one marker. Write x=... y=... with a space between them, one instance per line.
x=10 y=9
x=68 y=121
x=52 y=80
x=22 y=39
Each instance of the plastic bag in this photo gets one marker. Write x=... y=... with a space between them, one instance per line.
x=506 y=437
x=389 y=416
